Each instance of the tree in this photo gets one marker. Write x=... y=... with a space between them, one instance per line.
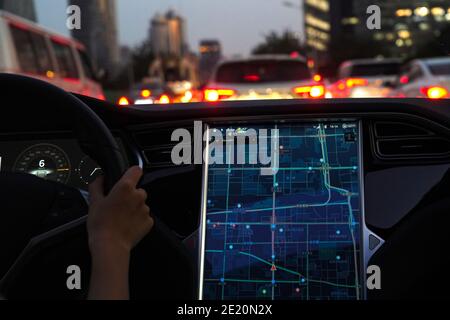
x=135 y=68
x=142 y=56
x=275 y=43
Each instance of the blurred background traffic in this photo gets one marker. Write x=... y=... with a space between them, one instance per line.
x=144 y=52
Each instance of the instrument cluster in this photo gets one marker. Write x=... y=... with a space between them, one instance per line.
x=56 y=160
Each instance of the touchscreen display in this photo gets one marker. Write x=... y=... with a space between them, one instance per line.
x=292 y=234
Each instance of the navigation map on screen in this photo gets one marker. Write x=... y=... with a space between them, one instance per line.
x=291 y=235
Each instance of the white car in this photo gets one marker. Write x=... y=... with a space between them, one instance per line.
x=264 y=77
x=425 y=78
x=364 y=78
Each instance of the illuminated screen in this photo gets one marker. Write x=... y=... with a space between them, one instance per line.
x=291 y=235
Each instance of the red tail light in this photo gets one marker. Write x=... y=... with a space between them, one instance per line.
x=252 y=78
x=213 y=95
x=404 y=79
x=312 y=91
x=435 y=92
x=123 y=101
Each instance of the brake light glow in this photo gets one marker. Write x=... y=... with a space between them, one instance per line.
x=213 y=95
x=252 y=77
x=317 y=91
x=187 y=97
x=313 y=91
x=164 y=99
x=404 y=79
x=123 y=101
x=435 y=92
x=353 y=82
x=146 y=93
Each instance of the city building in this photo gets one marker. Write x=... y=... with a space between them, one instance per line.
x=409 y=25
x=168 y=35
x=99 y=33
x=23 y=8
x=324 y=26
x=210 y=55
x=406 y=25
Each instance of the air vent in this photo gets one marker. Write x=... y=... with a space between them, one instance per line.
x=156 y=146
x=397 y=140
x=396 y=129
x=414 y=147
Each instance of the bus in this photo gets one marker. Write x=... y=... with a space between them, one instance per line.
x=29 y=49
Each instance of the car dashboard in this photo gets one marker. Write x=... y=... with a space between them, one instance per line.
x=397 y=172
x=359 y=183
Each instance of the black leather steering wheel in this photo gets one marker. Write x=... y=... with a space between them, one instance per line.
x=29 y=97
x=42 y=223
x=27 y=202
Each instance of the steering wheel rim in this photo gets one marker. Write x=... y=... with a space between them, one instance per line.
x=93 y=136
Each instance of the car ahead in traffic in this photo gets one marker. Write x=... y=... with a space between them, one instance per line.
x=156 y=92
x=29 y=49
x=148 y=93
x=263 y=77
x=365 y=78
x=421 y=78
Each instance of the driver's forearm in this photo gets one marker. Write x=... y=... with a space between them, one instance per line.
x=109 y=275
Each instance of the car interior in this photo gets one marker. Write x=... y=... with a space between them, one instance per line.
x=404 y=152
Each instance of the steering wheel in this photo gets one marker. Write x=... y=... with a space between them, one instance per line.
x=31 y=206
x=29 y=97
x=44 y=221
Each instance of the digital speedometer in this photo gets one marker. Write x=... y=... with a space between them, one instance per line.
x=46 y=161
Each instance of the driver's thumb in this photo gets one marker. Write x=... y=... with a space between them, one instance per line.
x=96 y=190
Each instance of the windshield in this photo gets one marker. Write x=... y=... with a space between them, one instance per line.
x=182 y=51
x=440 y=69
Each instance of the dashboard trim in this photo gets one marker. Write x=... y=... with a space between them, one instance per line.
x=202 y=229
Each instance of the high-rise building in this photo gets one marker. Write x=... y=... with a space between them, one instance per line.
x=23 y=8
x=168 y=35
x=210 y=55
x=99 y=33
x=406 y=25
x=325 y=23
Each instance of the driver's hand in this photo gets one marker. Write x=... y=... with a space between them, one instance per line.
x=121 y=219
